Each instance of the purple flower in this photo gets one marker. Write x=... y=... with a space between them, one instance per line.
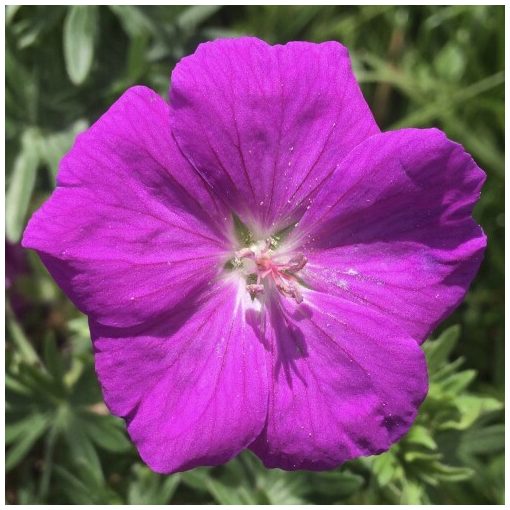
x=259 y=263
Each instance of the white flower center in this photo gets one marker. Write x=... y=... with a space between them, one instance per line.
x=260 y=264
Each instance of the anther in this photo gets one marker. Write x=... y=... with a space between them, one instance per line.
x=257 y=263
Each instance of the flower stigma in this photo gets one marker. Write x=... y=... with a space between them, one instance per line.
x=259 y=264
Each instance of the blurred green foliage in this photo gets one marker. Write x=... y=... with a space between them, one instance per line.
x=418 y=66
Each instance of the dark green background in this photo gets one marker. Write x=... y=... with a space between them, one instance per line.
x=419 y=67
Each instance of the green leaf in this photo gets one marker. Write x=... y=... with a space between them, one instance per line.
x=439 y=350
x=196 y=479
x=49 y=449
x=21 y=185
x=336 y=484
x=53 y=358
x=106 y=432
x=385 y=468
x=53 y=146
x=18 y=337
x=412 y=456
x=10 y=12
x=456 y=383
x=195 y=15
x=419 y=435
x=22 y=443
x=228 y=495
x=448 y=103
x=133 y=20
x=137 y=61
x=446 y=370
x=283 y=487
x=84 y=488
x=80 y=29
x=85 y=390
x=148 y=488
x=452 y=473
x=43 y=386
x=485 y=441
x=470 y=408
x=12 y=384
x=21 y=90
x=81 y=449
x=41 y=20
x=411 y=493
x=15 y=431
x=74 y=487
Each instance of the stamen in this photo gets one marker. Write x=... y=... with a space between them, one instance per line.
x=295 y=264
x=259 y=264
x=290 y=289
x=254 y=289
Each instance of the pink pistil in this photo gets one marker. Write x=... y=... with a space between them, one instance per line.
x=282 y=274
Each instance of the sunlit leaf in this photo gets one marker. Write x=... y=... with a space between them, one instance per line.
x=194 y=15
x=80 y=28
x=385 y=468
x=471 y=407
x=421 y=436
x=21 y=185
x=438 y=350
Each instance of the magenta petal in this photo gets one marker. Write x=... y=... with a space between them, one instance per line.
x=303 y=346
x=193 y=388
x=265 y=125
x=346 y=383
x=392 y=229
x=129 y=221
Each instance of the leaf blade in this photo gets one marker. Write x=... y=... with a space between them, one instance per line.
x=79 y=39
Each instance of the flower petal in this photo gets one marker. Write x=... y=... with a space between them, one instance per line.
x=193 y=388
x=346 y=383
x=265 y=125
x=392 y=229
x=129 y=221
